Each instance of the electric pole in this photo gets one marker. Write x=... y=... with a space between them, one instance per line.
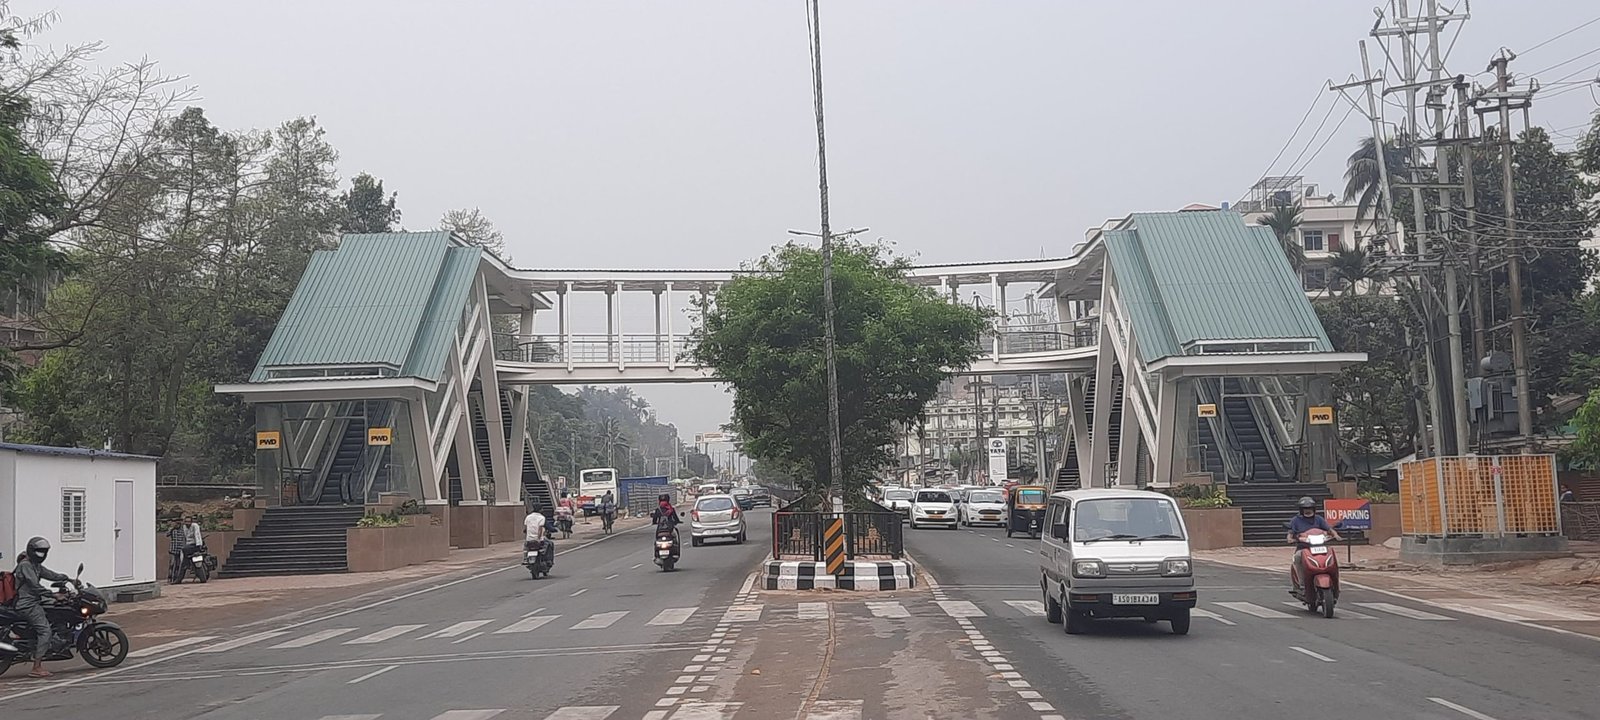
x=1504 y=97
x=835 y=455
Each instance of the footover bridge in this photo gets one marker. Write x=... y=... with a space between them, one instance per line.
x=1189 y=347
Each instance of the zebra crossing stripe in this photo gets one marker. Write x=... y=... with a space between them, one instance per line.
x=1254 y=609
x=467 y=714
x=1404 y=611
x=1212 y=616
x=458 y=629
x=174 y=645
x=672 y=616
x=707 y=711
x=526 y=624
x=813 y=611
x=241 y=642
x=835 y=710
x=1028 y=607
x=960 y=608
x=742 y=613
x=588 y=712
x=313 y=638
x=599 y=621
x=384 y=634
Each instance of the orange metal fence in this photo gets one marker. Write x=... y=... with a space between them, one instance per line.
x=1480 y=495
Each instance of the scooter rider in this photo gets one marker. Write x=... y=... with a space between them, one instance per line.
x=31 y=575
x=536 y=529
x=1307 y=519
x=665 y=514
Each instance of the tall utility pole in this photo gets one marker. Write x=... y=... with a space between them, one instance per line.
x=835 y=455
x=1519 y=341
x=1452 y=291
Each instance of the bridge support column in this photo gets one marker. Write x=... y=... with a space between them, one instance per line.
x=422 y=442
x=1129 y=439
x=1167 y=430
x=672 y=357
x=999 y=322
x=566 y=335
x=1100 y=434
x=658 y=325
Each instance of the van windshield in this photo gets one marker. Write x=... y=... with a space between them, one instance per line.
x=897 y=494
x=1126 y=519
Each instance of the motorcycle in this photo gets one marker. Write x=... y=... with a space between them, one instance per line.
x=73 y=612
x=564 y=523
x=538 y=557
x=1315 y=573
x=667 y=550
x=202 y=562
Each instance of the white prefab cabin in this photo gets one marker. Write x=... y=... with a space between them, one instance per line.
x=95 y=507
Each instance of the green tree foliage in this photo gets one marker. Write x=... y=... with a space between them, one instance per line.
x=1284 y=219
x=184 y=292
x=1374 y=397
x=1361 y=173
x=763 y=335
x=367 y=209
x=471 y=225
x=1585 y=448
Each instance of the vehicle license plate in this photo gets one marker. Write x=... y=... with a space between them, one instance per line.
x=1319 y=550
x=199 y=558
x=1140 y=599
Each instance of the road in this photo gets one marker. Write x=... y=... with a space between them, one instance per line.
x=609 y=637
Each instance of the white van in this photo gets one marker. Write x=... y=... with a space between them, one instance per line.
x=1115 y=554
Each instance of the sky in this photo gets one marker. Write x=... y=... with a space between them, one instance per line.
x=680 y=135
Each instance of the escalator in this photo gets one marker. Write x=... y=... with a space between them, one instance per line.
x=535 y=488
x=346 y=457
x=1241 y=418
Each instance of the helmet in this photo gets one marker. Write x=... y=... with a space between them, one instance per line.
x=1306 y=503
x=663 y=497
x=38 y=549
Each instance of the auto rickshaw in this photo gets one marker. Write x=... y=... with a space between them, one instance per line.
x=1025 y=510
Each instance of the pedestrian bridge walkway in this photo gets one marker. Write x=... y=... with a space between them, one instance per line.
x=1189 y=346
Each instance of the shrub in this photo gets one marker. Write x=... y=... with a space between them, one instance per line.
x=1380 y=497
x=1212 y=497
x=374 y=520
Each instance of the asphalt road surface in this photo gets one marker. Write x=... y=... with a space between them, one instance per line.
x=610 y=637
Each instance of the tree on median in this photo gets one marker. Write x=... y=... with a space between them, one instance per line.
x=896 y=343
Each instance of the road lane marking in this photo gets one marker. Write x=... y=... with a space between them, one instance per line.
x=588 y=712
x=706 y=711
x=741 y=613
x=459 y=628
x=1212 y=616
x=1028 y=607
x=526 y=624
x=372 y=674
x=241 y=642
x=174 y=645
x=1344 y=613
x=578 y=592
x=1469 y=712
x=351 y=717
x=1254 y=609
x=612 y=576
x=813 y=611
x=535 y=612
x=384 y=634
x=467 y=714
x=600 y=621
x=888 y=610
x=749 y=582
x=835 y=710
x=313 y=638
x=672 y=616
x=637 y=566
x=469 y=637
x=1309 y=653
x=1404 y=611
x=959 y=608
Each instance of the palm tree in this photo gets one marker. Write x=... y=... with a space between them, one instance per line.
x=1361 y=171
x=1353 y=266
x=1284 y=219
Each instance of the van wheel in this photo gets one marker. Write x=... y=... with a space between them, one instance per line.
x=1076 y=621
x=1052 y=609
x=1180 y=622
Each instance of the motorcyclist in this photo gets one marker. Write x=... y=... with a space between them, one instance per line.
x=1306 y=520
x=536 y=531
x=31 y=575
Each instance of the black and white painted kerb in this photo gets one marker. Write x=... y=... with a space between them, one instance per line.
x=857 y=575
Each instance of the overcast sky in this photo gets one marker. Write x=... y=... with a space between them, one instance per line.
x=680 y=134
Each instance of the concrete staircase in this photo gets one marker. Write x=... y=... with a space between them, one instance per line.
x=302 y=540
x=1265 y=507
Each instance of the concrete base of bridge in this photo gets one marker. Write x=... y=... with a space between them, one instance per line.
x=858 y=575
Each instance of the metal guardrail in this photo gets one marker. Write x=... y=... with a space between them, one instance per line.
x=1581 y=520
x=798 y=535
x=589 y=349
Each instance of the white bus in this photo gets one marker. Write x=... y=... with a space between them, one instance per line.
x=593 y=483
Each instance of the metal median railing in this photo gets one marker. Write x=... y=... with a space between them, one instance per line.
x=799 y=535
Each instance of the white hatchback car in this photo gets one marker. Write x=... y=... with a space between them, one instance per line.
x=984 y=506
x=933 y=507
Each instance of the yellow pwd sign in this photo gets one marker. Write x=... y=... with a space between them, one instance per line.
x=380 y=436
x=268 y=440
x=1206 y=410
x=1320 y=415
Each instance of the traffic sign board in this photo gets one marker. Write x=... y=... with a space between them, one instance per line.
x=269 y=440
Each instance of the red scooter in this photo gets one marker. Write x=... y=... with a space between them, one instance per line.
x=1315 y=572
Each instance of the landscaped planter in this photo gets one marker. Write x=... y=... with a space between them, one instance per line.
x=417 y=540
x=1214 y=528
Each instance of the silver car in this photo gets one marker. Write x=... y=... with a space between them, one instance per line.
x=715 y=516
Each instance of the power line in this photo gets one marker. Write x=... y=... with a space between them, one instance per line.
x=1325 y=141
x=1314 y=133
x=1562 y=35
x=1290 y=141
x=1563 y=62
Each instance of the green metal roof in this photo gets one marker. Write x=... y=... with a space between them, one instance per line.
x=389 y=299
x=1194 y=276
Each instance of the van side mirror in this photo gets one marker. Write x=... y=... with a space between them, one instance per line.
x=1059 y=531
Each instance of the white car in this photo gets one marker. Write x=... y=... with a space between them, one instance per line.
x=984 y=506
x=933 y=507
x=714 y=517
x=898 y=499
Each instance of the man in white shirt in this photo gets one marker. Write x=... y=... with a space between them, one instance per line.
x=191 y=533
x=535 y=529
